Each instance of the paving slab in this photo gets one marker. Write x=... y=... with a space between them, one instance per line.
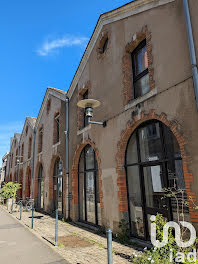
x=20 y=246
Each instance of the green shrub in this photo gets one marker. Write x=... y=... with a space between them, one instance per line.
x=124 y=235
x=9 y=190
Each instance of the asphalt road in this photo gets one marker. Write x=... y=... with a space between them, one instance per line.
x=19 y=246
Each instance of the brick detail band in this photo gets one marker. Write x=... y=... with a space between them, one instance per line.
x=120 y=158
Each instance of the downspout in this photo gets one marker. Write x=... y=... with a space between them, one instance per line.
x=191 y=48
x=33 y=154
x=67 y=159
x=9 y=167
x=18 y=163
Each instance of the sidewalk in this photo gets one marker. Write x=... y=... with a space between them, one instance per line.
x=76 y=245
x=20 y=246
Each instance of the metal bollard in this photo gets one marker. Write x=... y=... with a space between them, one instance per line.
x=32 y=216
x=12 y=207
x=3 y=202
x=56 y=229
x=7 y=204
x=20 y=211
x=109 y=246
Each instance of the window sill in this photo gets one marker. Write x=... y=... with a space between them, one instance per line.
x=141 y=99
x=79 y=132
x=56 y=144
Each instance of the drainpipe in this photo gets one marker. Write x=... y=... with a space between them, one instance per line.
x=33 y=154
x=67 y=158
x=191 y=48
x=9 y=166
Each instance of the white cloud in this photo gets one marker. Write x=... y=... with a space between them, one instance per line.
x=66 y=41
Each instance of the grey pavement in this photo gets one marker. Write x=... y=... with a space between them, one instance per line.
x=20 y=246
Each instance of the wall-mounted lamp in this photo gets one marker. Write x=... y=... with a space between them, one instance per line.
x=89 y=105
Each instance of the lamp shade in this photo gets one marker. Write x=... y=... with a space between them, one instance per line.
x=88 y=103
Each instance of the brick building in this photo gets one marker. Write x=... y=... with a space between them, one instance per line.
x=50 y=152
x=26 y=157
x=4 y=168
x=13 y=164
x=137 y=65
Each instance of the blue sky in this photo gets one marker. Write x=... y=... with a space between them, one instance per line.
x=42 y=42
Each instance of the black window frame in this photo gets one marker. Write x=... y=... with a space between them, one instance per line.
x=40 y=179
x=142 y=164
x=56 y=176
x=143 y=73
x=84 y=171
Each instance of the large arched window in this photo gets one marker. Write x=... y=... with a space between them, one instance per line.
x=88 y=187
x=58 y=186
x=40 y=188
x=153 y=162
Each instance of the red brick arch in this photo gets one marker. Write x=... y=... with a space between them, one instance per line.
x=39 y=163
x=75 y=171
x=120 y=158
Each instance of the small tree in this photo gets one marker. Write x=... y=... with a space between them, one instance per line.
x=9 y=190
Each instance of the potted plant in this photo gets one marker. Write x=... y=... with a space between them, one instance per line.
x=9 y=192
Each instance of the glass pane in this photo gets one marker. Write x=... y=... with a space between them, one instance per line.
x=135 y=201
x=150 y=142
x=141 y=86
x=60 y=194
x=55 y=191
x=41 y=194
x=98 y=201
x=154 y=185
x=90 y=197
x=175 y=174
x=81 y=197
x=141 y=60
x=60 y=168
x=172 y=146
x=132 y=150
x=176 y=181
x=89 y=156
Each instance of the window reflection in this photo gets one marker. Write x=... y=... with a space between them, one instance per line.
x=153 y=163
x=89 y=199
x=58 y=186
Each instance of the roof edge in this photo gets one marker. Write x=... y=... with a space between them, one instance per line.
x=129 y=9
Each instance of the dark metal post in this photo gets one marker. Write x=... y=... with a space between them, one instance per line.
x=109 y=246
x=20 y=211
x=32 y=216
x=67 y=158
x=56 y=229
x=191 y=45
x=33 y=154
x=3 y=202
x=12 y=207
x=7 y=203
